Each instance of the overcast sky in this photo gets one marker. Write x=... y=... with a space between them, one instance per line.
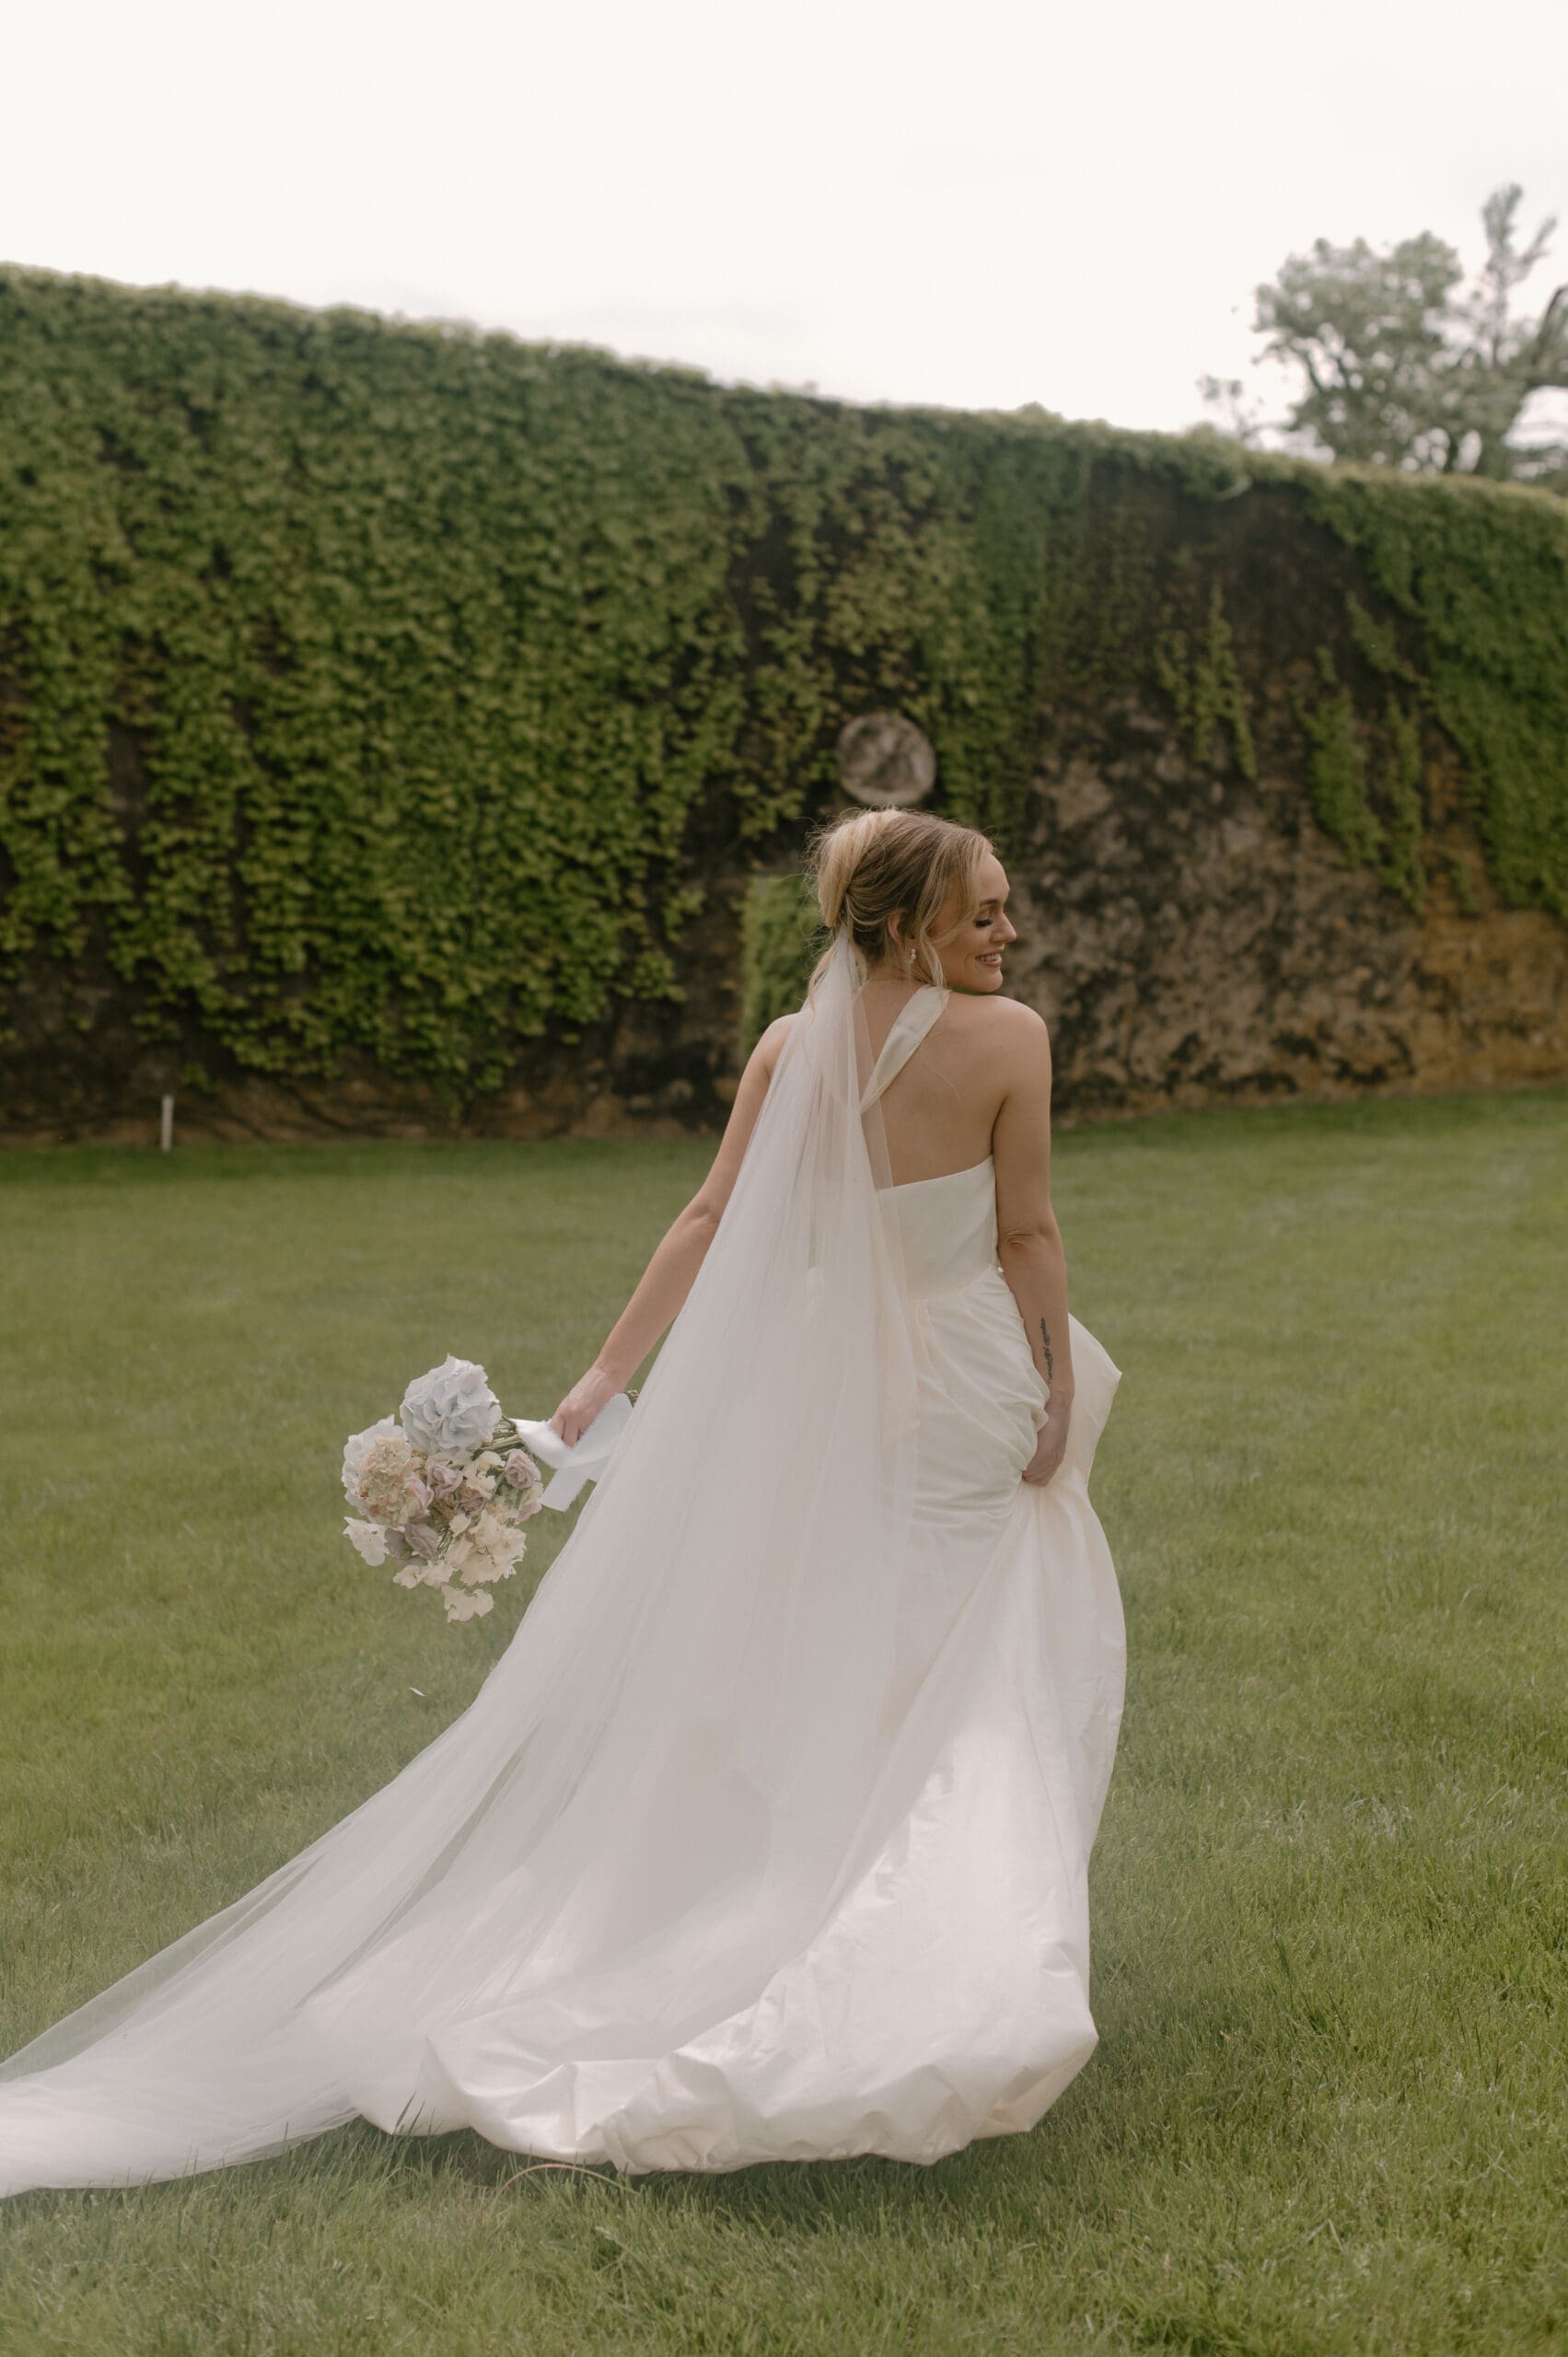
x=973 y=204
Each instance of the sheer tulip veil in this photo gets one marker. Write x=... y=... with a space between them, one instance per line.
x=767 y=1837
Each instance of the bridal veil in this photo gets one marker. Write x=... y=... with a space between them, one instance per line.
x=662 y=1788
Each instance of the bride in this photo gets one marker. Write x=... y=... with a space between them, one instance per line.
x=767 y=1837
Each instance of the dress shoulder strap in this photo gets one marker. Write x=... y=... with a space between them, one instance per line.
x=910 y=1025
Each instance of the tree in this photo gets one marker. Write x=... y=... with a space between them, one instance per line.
x=1406 y=366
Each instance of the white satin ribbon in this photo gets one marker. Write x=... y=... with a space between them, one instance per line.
x=584 y=1462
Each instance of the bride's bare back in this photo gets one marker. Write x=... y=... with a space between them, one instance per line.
x=942 y=1111
x=977 y=1084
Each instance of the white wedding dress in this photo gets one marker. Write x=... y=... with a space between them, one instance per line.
x=766 y=1837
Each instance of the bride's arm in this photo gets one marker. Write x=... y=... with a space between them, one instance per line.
x=1029 y=1240
x=672 y=1271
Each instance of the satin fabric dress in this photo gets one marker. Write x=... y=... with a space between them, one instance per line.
x=944 y=1996
x=723 y=1998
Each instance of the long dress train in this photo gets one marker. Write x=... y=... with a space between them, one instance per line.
x=768 y=1836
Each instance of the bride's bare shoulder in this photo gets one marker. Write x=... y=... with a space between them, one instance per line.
x=1004 y=1048
x=1004 y=1025
x=770 y=1047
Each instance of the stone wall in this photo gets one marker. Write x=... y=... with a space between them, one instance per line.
x=1195 y=940
x=391 y=721
x=1191 y=937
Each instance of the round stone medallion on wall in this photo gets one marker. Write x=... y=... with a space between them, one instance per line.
x=884 y=760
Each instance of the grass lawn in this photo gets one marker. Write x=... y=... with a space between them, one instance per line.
x=1329 y=1890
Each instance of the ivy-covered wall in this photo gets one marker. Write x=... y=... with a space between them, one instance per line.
x=408 y=702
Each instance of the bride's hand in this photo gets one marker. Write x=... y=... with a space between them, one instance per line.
x=1051 y=1446
x=587 y=1396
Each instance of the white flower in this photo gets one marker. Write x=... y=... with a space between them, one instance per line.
x=466 y=1604
x=451 y=1412
x=491 y=1552
x=357 y=1450
x=368 y=1541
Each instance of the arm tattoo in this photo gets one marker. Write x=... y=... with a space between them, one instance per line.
x=1045 y=1346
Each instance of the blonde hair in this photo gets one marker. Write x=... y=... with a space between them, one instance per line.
x=871 y=865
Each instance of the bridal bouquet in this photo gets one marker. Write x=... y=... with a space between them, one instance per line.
x=443 y=1490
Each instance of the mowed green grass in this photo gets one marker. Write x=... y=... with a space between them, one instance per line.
x=1329 y=1896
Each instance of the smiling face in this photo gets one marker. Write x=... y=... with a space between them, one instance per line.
x=972 y=930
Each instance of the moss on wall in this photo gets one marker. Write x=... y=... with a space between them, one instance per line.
x=1204 y=683
x=1483 y=576
x=400 y=692
x=782 y=938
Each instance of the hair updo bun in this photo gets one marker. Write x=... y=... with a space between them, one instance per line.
x=870 y=866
